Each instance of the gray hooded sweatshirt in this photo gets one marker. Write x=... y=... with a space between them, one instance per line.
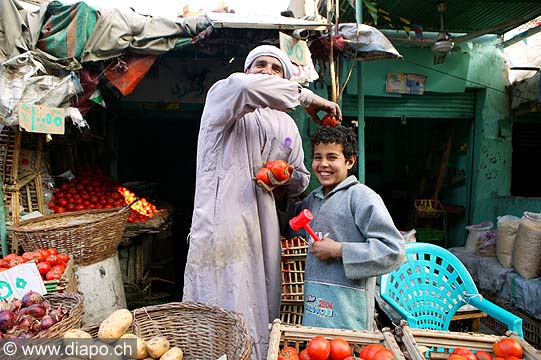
x=340 y=293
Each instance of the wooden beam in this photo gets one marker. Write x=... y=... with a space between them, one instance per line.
x=523 y=35
x=473 y=35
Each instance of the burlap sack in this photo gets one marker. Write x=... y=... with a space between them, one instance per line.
x=505 y=241
x=527 y=248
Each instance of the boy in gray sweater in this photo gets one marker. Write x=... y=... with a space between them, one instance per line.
x=360 y=241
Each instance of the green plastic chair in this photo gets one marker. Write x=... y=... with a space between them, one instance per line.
x=432 y=285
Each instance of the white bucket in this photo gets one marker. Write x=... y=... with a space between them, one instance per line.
x=102 y=289
x=474 y=233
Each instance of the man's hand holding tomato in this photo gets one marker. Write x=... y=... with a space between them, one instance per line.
x=274 y=174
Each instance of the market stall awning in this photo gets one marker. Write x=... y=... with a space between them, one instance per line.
x=238 y=21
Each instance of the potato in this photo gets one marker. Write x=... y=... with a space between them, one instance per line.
x=157 y=346
x=115 y=325
x=75 y=334
x=173 y=354
x=142 y=352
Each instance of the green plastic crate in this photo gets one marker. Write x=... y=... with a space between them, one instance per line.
x=429 y=235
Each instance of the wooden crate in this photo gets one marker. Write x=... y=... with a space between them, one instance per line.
x=530 y=325
x=292 y=265
x=298 y=336
x=421 y=344
x=23 y=197
x=20 y=154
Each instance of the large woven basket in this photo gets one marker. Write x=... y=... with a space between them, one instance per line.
x=73 y=302
x=89 y=235
x=201 y=331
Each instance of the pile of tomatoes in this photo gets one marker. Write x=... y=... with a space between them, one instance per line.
x=504 y=349
x=90 y=189
x=50 y=263
x=320 y=348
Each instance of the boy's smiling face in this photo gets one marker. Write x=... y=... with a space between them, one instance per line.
x=330 y=165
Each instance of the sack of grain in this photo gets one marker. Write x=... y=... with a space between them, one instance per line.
x=527 y=248
x=505 y=241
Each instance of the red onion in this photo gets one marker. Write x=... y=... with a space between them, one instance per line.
x=37 y=310
x=47 y=322
x=31 y=298
x=24 y=323
x=7 y=320
x=16 y=304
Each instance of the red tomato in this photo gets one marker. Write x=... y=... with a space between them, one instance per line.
x=9 y=257
x=263 y=175
x=304 y=355
x=17 y=260
x=383 y=354
x=65 y=258
x=44 y=268
x=59 y=210
x=52 y=260
x=79 y=207
x=483 y=355
x=53 y=275
x=340 y=349
x=465 y=353
x=318 y=348
x=455 y=357
x=280 y=170
x=330 y=120
x=27 y=256
x=512 y=358
x=288 y=353
x=507 y=347
x=368 y=352
x=52 y=251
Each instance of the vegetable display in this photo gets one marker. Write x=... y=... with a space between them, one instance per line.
x=51 y=265
x=27 y=317
x=319 y=348
x=117 y=325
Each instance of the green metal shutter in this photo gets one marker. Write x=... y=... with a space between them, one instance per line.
x=435 y=105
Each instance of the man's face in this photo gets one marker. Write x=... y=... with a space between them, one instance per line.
x=266 y=65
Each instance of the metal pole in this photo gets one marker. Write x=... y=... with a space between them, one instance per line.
x=3 y=234
x=360 y=102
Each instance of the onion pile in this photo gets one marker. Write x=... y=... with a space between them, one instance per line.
x=26 y=317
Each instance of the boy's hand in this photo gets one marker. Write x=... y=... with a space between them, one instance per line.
x=327 y=249
x=274 y=183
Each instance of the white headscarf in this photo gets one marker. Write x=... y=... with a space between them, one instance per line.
x=269 y=50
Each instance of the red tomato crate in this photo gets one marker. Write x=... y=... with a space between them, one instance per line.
x=422 y=344
x=298 y=337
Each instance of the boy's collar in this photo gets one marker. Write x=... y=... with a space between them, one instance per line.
x=347 y=182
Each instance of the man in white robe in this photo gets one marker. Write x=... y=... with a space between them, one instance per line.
x=234 y=246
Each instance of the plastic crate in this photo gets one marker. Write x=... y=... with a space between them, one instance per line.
x=429 y=235
x=530 y=326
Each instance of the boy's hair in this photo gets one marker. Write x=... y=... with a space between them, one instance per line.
x=345 y=136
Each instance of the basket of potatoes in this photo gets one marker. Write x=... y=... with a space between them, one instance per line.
x=175 y=331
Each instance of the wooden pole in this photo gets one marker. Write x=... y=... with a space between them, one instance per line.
x=332 y=74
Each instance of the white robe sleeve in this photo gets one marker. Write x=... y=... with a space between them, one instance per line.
x=230 y=99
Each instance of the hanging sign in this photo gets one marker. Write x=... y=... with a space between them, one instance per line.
x=19 y=280
x=297 y=50
x=402 y=83
x=41 y=119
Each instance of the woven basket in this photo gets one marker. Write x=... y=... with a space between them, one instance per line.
x=89 y=235
x=201 y=331
x=73 y=302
